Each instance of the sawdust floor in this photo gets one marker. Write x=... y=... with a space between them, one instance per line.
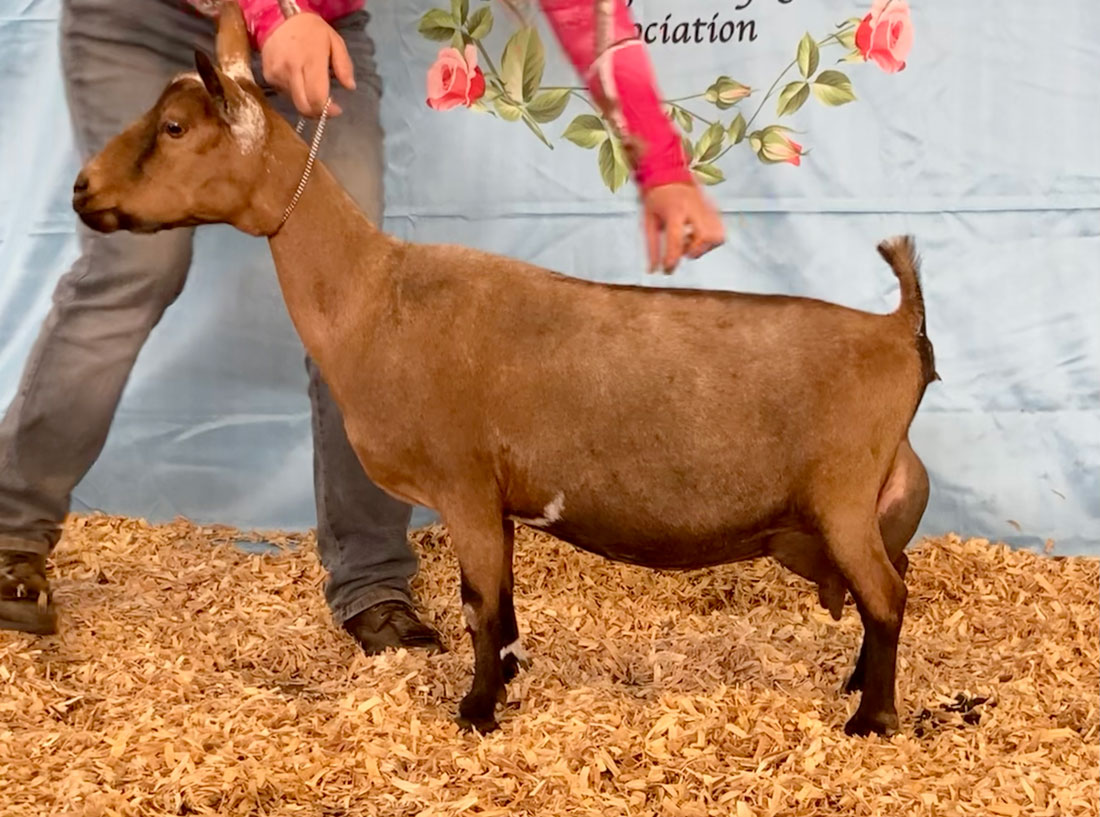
x=193 y=678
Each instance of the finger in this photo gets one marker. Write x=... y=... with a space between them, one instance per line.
x=317 y=85
x=652 y=228
x=298 y=93
x=674 y=242
x=698 y=242
x=341 y=62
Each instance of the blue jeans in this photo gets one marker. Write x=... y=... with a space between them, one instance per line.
x=118 y=55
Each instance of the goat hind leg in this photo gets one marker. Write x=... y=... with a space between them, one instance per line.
x=855 y=680
x=857 y=549
x=901 y=505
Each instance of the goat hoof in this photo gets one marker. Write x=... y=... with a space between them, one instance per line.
x=865 y=723
x=482 y=725
x=478 y=713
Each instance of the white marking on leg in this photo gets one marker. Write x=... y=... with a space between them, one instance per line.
x=550 y=514
x=516 y=649
x=468 y=614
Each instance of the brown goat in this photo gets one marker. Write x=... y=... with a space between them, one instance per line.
x=666 y=428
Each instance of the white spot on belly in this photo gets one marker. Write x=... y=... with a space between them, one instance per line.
x=550 y=514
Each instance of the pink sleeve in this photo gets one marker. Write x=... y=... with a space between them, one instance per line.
x=625 y=71
x=264 y=16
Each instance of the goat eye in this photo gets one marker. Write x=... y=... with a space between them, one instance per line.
x=173 y=129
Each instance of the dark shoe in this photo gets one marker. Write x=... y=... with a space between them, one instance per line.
x=25 y=594
x=392 y=624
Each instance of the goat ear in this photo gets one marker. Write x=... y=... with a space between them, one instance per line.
x=212 y=80
x=233 y=46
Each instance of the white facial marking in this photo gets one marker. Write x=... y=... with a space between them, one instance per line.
x=247 y=123
x=188 y=75
x=468 y=614
x=238 y=70
x=516 y=649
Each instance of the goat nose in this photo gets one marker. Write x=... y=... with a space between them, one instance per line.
x=81 y=184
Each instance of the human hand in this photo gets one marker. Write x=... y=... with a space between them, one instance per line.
x=296 y=59
x=690 y=224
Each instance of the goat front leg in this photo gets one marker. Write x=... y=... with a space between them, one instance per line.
x=480 y=544
x=512 y=655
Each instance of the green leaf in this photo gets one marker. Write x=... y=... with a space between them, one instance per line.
x=708 y=174
x=507 y=109
x=847 y=38
x=436 y=24
x=710 y=143
x=458 y=41
x=853 y=56
x=808 y=55
x=726 y=92
x=459 y=9
x=613 y=168
x=480 y=23
x=685 y=120
x=548 y=105
x=535 y=129
x=522 y=64
x=793 y=97
x=586 y=131
x=736 y=131
x=833 y=88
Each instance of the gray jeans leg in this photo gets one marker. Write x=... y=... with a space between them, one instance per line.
x=361 y=530
x=117 y=57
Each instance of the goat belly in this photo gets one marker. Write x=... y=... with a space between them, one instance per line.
x=667 y=549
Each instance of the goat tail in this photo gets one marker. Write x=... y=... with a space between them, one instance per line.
x=900 y=252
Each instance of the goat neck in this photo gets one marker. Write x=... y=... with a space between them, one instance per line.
x=334 y=266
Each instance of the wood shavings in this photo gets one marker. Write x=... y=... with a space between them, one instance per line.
x=191 y=677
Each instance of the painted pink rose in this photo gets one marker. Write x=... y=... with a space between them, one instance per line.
x=454 y=79
x=776 y=147
x=886 y=34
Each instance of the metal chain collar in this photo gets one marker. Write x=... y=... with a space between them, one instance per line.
x=313 y=148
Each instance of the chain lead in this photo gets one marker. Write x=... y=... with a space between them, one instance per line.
x=314 y=146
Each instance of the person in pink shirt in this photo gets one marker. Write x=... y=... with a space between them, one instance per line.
x=117 y=56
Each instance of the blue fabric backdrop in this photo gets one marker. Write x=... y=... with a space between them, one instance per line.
x=984 y=147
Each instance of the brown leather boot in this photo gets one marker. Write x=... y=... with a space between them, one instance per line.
x=25 y=603
x=392 y=624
